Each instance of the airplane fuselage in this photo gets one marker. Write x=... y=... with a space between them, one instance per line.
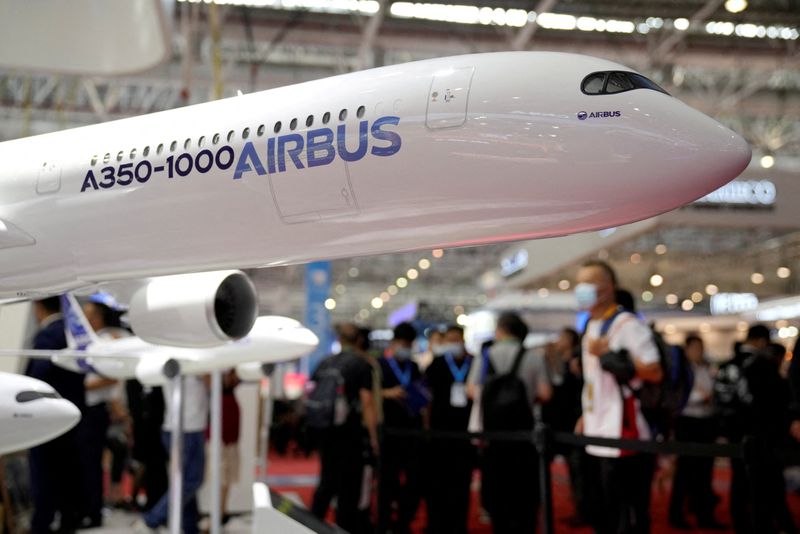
x=439 y=153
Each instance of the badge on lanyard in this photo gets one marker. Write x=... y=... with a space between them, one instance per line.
x=458 y=391
x=404 y=378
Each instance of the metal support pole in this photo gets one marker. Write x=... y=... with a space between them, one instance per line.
x=216 y=452
x=266 y=422
x=176 y=455
x=542 y=439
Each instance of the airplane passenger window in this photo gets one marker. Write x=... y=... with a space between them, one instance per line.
x=277 y=127
x=309 y=120
x=202 y=141
x=107 y=158
x=230 y=136
x=593 y=84
x=618 y=82
x=187 y=144
x=172 y=146
x=293 y=124
x=133 y=153
x=146 y=151
x=245 y=133
x=215 y=139
x=343 y=115
x=360 y=111
x=94 y=160
x=160 y=148
x=260 y=130
x=326 y=117
x=119 y=156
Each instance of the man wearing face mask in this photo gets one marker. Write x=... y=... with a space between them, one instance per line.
x=402 y=408
x=611 y=409
x=510 y=480
x=452 y=461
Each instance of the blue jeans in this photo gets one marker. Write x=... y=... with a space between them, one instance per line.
x=193 y=467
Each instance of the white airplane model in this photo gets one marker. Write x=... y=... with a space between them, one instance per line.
x=31 y=413
x=439 y=153
x=273 y=339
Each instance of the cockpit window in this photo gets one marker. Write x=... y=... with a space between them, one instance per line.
x=28 y=396
x=606 y=83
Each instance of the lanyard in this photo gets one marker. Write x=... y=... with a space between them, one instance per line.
x=404 y=377
x=459 y=375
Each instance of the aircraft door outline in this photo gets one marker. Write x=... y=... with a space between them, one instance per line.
x=448 y=98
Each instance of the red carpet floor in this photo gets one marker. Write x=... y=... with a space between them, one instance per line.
x=295 y=475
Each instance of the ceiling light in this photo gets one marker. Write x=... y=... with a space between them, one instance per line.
x=735 y=6
x=364 y=314
x=330 y=304
x=671 y=299
x=661 y=249
x=353 y=272
x=681 y=24
x=711 y=290
x=458 y=310
x=340 y=289
x=767 y=161
x=437 y=253
x=757 y=278
x=385 y=296
x=670 y=329
x=687 y=305
x=563 y=285
x=462 y=320
x=482 y=299
x=705 y=328
x=377 y=303
x=697 y=297
x=412 y=274
x=656 y=280
x=647 y=296
x=636 y=258
x=401 y=282
x=424 y=263
x=784 y=272
x=392 y=290
x=544 y=292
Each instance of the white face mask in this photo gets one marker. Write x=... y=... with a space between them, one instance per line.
x=454 y=349
x=402 y=353
x=437 y=350
x=586 y=296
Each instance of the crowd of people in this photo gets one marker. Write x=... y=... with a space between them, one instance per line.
x=616 y=379
x=123 y=428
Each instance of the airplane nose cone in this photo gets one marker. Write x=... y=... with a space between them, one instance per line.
x=307 y=340
x=62 y=414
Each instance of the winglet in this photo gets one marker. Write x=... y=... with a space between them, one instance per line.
x=79 y=332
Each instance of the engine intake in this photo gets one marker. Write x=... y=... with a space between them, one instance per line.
x=194 y=310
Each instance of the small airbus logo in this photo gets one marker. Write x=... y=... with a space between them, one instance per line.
x=582 y=115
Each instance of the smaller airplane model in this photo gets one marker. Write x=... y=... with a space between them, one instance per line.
x=273 y=339
x=32 y=412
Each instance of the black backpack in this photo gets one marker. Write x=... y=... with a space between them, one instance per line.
x=664 y=401
x=733 y=399
x=505 y=403
x=326 y=404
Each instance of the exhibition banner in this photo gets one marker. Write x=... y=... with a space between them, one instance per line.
x=317 y=317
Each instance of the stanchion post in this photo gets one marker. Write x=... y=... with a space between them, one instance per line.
x=542 y=438
x=176 y=455
x=379 y=526
x=216 y=452
x=752 y=450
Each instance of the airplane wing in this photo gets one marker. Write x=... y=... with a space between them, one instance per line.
x=41 y=354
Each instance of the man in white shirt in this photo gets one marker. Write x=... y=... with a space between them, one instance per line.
x=611 y=410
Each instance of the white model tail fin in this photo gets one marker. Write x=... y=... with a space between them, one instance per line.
x=79 y=332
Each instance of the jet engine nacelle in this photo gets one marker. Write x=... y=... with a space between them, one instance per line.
x=157 y=371
x=194 y=310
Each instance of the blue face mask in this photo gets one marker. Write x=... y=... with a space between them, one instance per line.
x=586 y=296
x=402 y=353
